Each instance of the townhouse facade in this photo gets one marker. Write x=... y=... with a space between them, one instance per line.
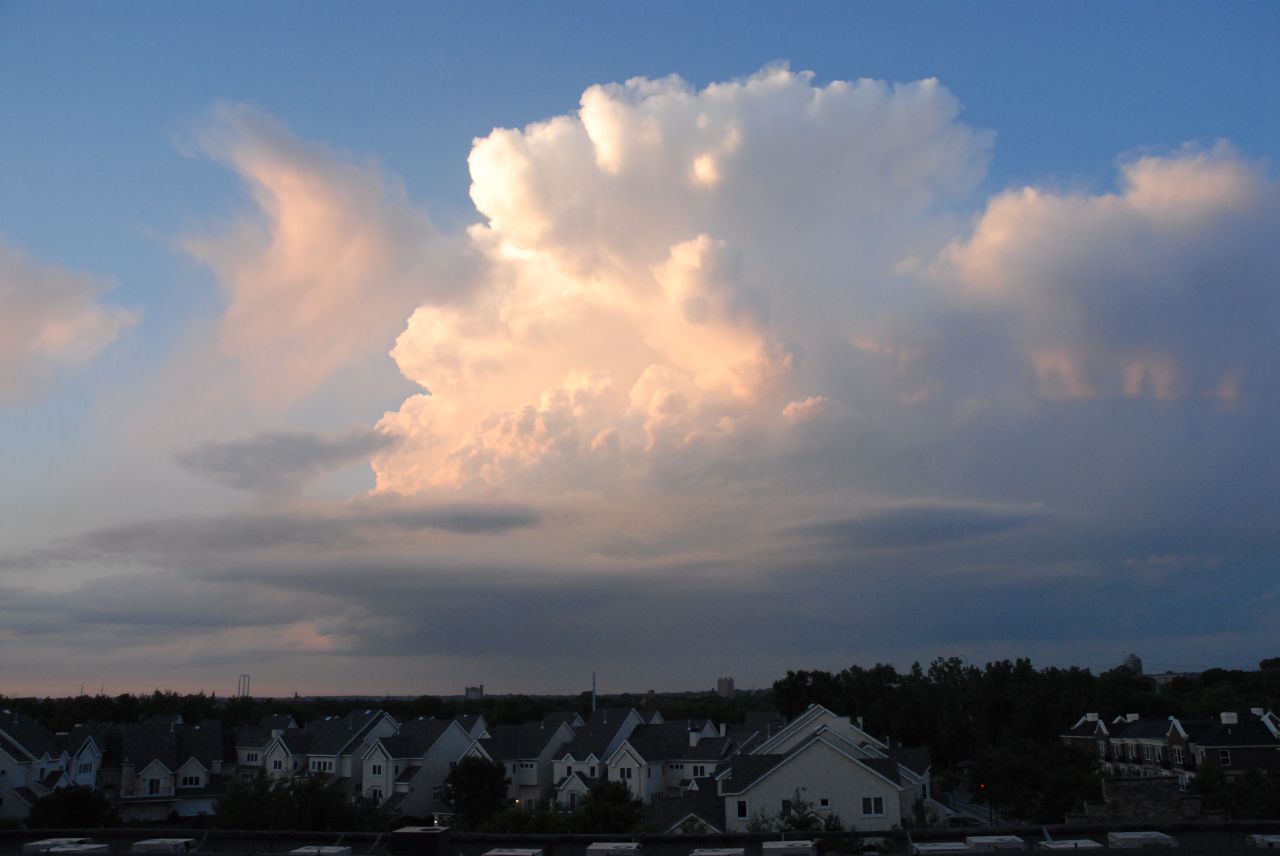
x=1131 y=746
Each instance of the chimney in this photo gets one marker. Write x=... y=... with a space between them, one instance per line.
x=860 y=725
x=722 y=729
x=1229 y=717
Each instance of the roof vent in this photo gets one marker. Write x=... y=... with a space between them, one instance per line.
x=1229 y=717
x=1088 y=717
x=1257 y=711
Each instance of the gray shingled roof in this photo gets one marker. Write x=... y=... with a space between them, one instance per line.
x=514 y=742
x=670 y=741
x=1249 y=731
x=140 y=744
x=745 y=769
x=329 y=736
x=914 y=758
x=666 y=813
x=29 y=734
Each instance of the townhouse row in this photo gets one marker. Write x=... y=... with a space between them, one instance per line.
x=1132 y=746
x=691 y=774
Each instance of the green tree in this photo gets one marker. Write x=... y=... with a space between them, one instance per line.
x=610 y=807
x=476 y=790
x=74 y=807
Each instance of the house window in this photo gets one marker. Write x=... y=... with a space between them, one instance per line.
x=277 y=764
x=824 y=803
x=251 y=757
x=376 y=769
x=396 y=768
x=153 y=786
x=568 y=771
x=624 y=773
x=437 y=791
x=376 y=793
x=189 y=782
x=1177 y=755
x=742 y=809
x=86 y=767
x=872 y=806
x=699 y=770
x=593 y=771
x=648 y=772
x=573 y=800
x=1224 y=757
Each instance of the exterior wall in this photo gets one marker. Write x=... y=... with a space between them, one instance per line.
x=157 y=773
x=822 y=773
x=84 y=765
x=629 y=769
x=349 y=763
x=376 y=774
x=193 y=769
x=276 y=752
x=13 y=774
x=563 y=767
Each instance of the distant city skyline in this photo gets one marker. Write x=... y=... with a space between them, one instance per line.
x=403 y=348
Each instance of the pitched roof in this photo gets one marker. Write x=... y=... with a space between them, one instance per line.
x=28 y=734
x=526 y=740
x=666 y=814
x=416 y=737
x=670 y=741
x=1247 y=731
x=171 y=745
x=332 y=734
x=742 y=770
x=914 y=758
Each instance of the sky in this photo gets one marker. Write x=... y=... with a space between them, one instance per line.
x=397 y=347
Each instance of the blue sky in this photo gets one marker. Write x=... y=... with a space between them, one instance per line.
x=1069 y=377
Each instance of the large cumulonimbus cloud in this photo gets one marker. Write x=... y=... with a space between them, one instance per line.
x=740 y=281
x=674 y=270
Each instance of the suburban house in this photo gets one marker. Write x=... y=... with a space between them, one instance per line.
x=86 y=746
x=663 y=759
x=253 y=743
x=839 y=782
x=405 y=772
x=527 y=752
x=32 y=763
x=582 y=762
x=153 y=769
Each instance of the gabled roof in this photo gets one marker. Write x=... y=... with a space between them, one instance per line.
x=670 y=742
x=333 y=735
x=914 y=758
x=815 y=712
x=28 y=734
x=667 y=814
x=260 y=734
x=1248 y=731
x=594 y=737
x=172 y=746
x=743 y=771
x=416 y=737
x=525 y=741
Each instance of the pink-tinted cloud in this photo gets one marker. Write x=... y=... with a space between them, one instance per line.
x=51 y=322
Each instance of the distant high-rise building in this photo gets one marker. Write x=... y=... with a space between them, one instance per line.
x=475 y=693
x=724 y=687
x=1134 y=664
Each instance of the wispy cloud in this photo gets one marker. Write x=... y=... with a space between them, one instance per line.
x=52 y=321
x=280 y=461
